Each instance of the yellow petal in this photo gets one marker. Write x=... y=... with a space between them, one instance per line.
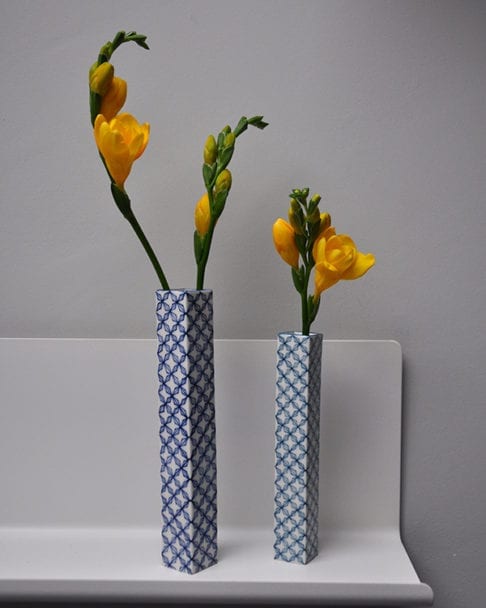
x=362 y=263
x=324 y=277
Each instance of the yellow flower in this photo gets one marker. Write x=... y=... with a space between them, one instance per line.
x=284 y=241
x=202 y=215
x=337 y=258
x=120 y=141
x=101 y=77
x=114 y=98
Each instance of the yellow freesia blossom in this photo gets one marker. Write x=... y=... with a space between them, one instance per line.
x=284 y=241
x=202 y=215
x=337 y=258
x=114 y=98
x=120 y=141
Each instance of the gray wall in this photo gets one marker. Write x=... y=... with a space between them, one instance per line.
x=378 y=105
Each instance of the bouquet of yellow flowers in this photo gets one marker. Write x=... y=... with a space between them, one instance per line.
x=121 y=140
x=308 y=242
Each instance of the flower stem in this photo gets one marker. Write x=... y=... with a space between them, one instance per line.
x=148 y=249
x=306 y=321
x=201 y=265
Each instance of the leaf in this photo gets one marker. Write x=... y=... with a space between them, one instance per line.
x=219 y=202
x=298 y=279
x=198 y=246
x=241 y=126
x=226 y=155
x=258 y=122
x=300 y=241
x=208 y=172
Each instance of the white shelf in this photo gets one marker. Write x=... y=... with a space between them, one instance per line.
x=79 y=516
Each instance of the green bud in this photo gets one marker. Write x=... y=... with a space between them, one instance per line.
x=226 y=130
x=229 y=140
x=314 y=217
x=325 y=221
x=210 y=150
x=295 y=219
x=316 y=199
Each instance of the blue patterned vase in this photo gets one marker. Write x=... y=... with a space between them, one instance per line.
x=187 y=429
x=296 y=514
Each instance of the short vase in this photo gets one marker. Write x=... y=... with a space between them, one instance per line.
x=298 y=395
x=187 y=429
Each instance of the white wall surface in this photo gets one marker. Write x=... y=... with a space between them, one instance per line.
x=378 y=105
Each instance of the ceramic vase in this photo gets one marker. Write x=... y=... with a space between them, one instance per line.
x=296 y=507
x=187 y=429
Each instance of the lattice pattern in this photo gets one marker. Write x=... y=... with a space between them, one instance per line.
x=296 y=515
x=187 y=429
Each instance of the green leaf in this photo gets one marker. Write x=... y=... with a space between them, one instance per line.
x=298 y=279
x=208 y=172
x=314 y=307
x=241 y=126
x=258 y=122
x=198 y=246
x=300 y=241
x=220 y=142
x=225 y=158
x=219 y=202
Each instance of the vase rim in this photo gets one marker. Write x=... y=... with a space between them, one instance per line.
x=299 y=334
x=184 y=290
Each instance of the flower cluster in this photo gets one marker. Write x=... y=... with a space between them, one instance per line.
x=308 y=242
x=121 y=139
x=217 y=155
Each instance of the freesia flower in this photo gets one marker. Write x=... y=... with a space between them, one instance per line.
x=114 y=98
x=284 y=241
x=120 y=141
x=202 y=215
x=337 y=258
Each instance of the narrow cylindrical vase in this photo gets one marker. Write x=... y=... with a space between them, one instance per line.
x=187 y=429
x=296 y=512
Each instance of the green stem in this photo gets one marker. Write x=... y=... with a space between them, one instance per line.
x=306 y=321
x=201 y=266
x=148 y=248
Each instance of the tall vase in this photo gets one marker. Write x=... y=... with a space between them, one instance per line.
x=187 y=429
x=296 y=514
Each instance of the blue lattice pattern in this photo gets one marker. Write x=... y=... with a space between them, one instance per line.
x=187 y=429
x=296 y=514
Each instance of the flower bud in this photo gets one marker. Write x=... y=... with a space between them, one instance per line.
x=100 y=79
x=229 y=140
x=316 y=199
x=223 y=181
x=112 y=102
x=202 y=215
x=314 y=217
x=325 y=221
x=226 y=130
x=296 y=217
x=210 y=150
x=284 y=241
